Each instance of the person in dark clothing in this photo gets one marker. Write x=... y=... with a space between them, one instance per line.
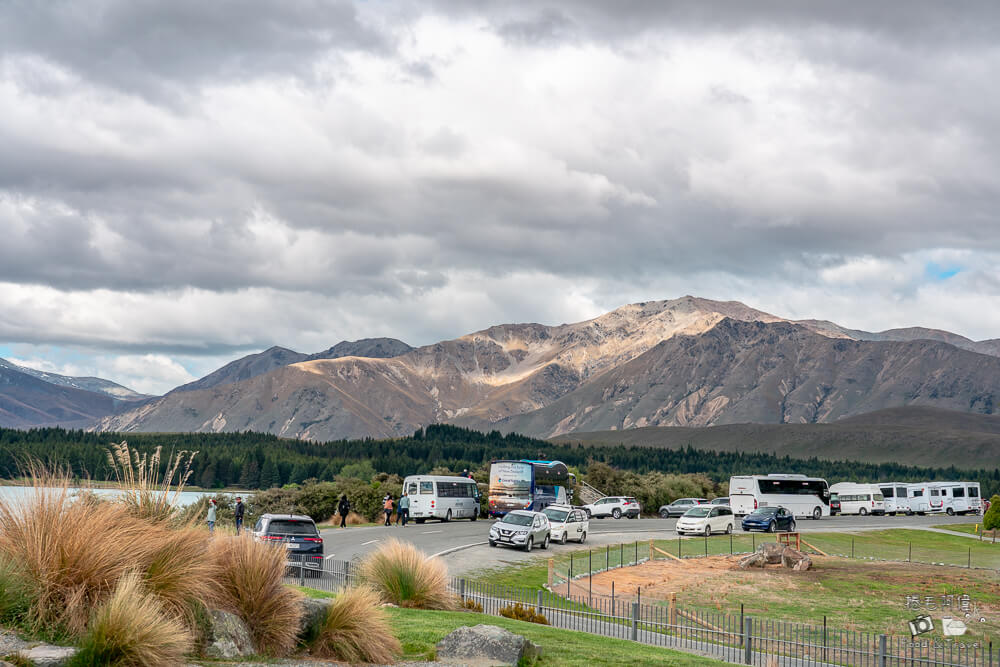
x=238 y=511
x=342 y=509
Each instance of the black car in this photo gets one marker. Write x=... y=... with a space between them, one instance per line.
x=770 y=519
x=300 y=538
x=834 y=504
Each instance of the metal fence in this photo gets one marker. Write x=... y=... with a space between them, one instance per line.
x=735 y=638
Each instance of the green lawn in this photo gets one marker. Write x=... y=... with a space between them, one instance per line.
x=420 y=631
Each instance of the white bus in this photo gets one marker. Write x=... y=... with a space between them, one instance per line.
x=897 y=497
x=439 y=497
x=859 y=499
x=803 y=496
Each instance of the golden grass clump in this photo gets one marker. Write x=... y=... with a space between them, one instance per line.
x=249 y=577
x=177 y=569
x=146 y=493
x=132 y=629
x=402 y=575
x=357 y=630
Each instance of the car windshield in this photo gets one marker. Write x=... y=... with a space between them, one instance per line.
x=698 y=512
x=286 y=527
x=555 y=515
x=518 y=519
x=766 y=511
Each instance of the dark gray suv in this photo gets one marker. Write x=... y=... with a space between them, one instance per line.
x=299 y=536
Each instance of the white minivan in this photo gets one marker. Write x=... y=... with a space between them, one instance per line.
x=441 y=497
x=859 y=499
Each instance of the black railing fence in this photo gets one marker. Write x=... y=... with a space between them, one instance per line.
x=735 y=638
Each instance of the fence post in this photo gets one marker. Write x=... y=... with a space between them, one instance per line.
x=747 y=649
x=637 y=552
x=753 y=542
x=302 y=571
x=730 y=544
x=678 y=546
x=881 y=651
x=706 y=545
x=461 y=590
x=824 y=638
x=635 y=621
x=538 y=607
x=651 y=551
x=672 y=609
x=552 y=571
x=852 y=547
x=612 y=598
x=970 y=558
x=909 y=554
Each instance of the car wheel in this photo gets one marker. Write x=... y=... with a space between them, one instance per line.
x=729 y=529
x=664 y=514
x=862 y=512
x=545 y=543
x=817 y=513
x=616 y=513
x=772 y=527
x=447 y=517
x=708 y=531
x=475 y=515
x=791 y=527
x=563 y=540
x=583 y=537
x=492 y=543
x=530 y=543
x=950 y=512
x=588 y=513
x=420 y=520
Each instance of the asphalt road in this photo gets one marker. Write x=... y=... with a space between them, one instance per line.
x=463 y=544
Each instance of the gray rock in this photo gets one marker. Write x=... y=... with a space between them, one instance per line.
x=11 y=643
x=485 y=645
x=313 y=615
x=230 y=637
x=46 y=655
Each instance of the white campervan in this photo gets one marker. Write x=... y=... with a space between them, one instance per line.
x=440 y=497
x=859 y=498
x=954 y=497
x=897 y=497
x=919 y=497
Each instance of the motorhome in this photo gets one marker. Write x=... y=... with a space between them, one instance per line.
x=897 y=498
x=441 y=497
x=954 y=497
x=803 y=496
x=859 y=499
x=919 y=497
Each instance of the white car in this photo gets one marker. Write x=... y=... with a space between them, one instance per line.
x=567 y=523
x=705 y=520
x=615 y=507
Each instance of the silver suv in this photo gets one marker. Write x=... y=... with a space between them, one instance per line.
x=521 y=528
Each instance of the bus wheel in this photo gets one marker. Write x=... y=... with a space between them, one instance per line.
x=447 y=517
x=950 y=512
x=817 y=513
x=862 y=512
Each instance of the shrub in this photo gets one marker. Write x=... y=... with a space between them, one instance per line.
x=132 y=629
x=177 y=569
x=991 y=520
x=16 y=593
x=402 y=575
x=472 y=605
x=357 y=630
x=249 y=584
x=521 y=613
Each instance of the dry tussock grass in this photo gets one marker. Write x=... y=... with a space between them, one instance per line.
x=404 y=576
x=178 y=570
x=133 y=629
x=357 y=630
x=249 y=577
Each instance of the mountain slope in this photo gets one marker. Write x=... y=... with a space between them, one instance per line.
x=916 y=435
x=98 y=385
x=26 y=401
x=768 y=373
x=688 y=361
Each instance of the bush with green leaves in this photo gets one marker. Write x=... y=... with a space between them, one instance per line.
x=991 y=520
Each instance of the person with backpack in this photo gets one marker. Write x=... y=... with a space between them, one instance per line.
x=403 y=510
x=342 y=509
x=238 y=512
x=387 y=507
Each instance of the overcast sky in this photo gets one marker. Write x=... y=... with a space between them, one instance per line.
x=185 y=182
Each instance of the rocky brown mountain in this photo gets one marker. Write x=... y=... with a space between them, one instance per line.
x=687 y=361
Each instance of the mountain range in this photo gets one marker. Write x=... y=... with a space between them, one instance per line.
x=686 y=362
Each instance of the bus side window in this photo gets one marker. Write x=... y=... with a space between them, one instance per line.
x=411 y=489
x=426 y=488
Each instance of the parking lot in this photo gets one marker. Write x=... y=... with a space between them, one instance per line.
x=463 y=544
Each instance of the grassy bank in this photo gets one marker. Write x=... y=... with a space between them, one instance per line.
x=420 y=631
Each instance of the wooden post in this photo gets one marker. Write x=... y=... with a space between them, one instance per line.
x=651 y=551
x=813 y=548
x=552 y=569
x=672 y=609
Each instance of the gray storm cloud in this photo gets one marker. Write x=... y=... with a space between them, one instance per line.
x=217 y=162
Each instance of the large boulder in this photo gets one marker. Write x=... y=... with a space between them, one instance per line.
x=230 y=638
x=485 y=645
x=774 y=553
x=314 y=611
x=46 y=655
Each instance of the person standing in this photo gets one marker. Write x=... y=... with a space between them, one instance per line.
x=404 y=509
x=238 y=512
x=343 y=507
x=211 y=515
x=387 y=507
